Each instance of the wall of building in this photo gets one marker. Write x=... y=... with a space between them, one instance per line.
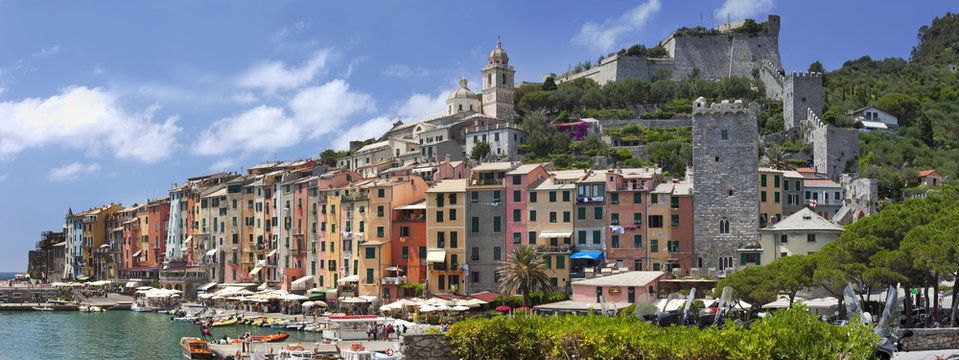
x=802 y=96
x=835 y=150
x=486 y=239
x=725 y=185
x=797 y=243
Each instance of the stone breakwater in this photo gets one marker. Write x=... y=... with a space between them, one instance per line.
x=932 y=339
x=426 y=346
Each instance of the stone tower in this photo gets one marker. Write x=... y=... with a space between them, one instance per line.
x=498 y=85
x=726 y=185
x=802 y=92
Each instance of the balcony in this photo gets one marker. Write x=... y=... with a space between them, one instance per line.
x=564 y=249
x=298 y=252
x=590 y=200
x=394 y=280
x=487 y=181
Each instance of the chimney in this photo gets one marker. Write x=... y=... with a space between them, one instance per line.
x=447 y=158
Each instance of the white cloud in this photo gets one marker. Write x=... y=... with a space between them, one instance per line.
x=403 y=71
x=3 y=177
x=245 y=98
x=372 y=128
x=420 y=106
x=263 y=128
x=296 y=27
x=276 y=75
x=733 y=10
x=47 y=51
x=73 y=171
x=323 y=109
x=604 y=36
x=225 y=165
x=87 y=119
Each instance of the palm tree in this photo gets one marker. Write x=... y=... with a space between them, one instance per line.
x=777 y=158
x=524 y=271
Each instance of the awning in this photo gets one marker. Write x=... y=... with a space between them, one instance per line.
x=423 y=170
x=132 y=284
x=436 y=255
x=137 y=253
x=255 y=270
x=211 y=252
x=206 y=286
x=301 y=283
x=83 y=278
x=873 y=125
x=271 y=253
x=560 y=234
x=587 y=254
x=188 y=239
x=351 y=278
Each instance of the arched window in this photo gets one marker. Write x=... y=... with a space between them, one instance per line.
x=724 y=226
x=461 y=107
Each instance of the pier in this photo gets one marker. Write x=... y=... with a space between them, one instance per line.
x=322 y=350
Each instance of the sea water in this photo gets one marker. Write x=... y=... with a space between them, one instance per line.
x=118 y=334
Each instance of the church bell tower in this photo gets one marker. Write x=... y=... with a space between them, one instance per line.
x=498 y=85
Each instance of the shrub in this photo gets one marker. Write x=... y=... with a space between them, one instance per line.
x=789 y=334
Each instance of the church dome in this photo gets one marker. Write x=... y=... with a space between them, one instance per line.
x=463 y=92
x=498 y=55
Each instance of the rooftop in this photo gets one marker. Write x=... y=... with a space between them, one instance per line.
x=804 y=220
x=455 y=185
x=494 y=166
x=523 y=169
x=630 y=278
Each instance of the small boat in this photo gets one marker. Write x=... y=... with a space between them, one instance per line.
x=295 y=352
x=194 y=348
x=224 y=322
x=138 y=307
x=47 y=308
x=266 y=338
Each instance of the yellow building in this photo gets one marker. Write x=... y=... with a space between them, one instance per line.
x=445 y=236
x=95 y=234
x=550 y=225
x=770 y=196
x=375 y=249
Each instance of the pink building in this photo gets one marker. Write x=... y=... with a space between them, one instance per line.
x=517 y=182
x=625 y=287
x=158 y=214
x=627 y=191
x=452 y=170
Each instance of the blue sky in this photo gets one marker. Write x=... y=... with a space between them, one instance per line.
x=115 y=101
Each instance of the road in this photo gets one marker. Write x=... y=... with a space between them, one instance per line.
x=928 y=355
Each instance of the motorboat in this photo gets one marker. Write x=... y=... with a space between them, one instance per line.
x=90 y=308
x=46 y=308
x=266 y=338
x=224 y=322
x=140 y=307
x=358 y=352
x=194 y=348
x=295 y=352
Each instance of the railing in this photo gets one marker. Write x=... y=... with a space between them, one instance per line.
x=590 y=200
x=565 y=248
x=394 y=280
x=488 y=182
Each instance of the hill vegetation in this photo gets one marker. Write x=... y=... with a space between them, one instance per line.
x=922 y=93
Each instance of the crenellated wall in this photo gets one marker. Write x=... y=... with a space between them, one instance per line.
x=802 y=94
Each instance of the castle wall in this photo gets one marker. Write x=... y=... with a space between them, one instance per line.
x=725 y=186
x=770 y=75
x=723 y=55
x=833 y=148
x=802 y=92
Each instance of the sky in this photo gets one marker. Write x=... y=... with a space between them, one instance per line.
x=106 y=101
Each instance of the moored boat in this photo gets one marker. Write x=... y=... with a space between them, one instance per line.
x=266 y=338
x=194 y=348
x=224 y=322
x=47 y=308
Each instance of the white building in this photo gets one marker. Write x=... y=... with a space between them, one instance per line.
x=824 y=196
x=503 y=139
x=802 y=233
x=871 y=118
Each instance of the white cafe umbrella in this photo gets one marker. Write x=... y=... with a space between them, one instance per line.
x=460 y=308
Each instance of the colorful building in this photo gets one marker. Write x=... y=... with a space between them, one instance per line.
x=446 y=238
x=626 y=202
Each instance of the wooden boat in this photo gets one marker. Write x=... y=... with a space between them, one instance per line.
x=224 y=322
x=194 y=348
x=42 y=308
x=266 y=338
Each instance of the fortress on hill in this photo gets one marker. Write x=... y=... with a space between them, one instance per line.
x=716 y=54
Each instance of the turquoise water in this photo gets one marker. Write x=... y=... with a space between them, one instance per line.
x=109 y=335
x=7 y=275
